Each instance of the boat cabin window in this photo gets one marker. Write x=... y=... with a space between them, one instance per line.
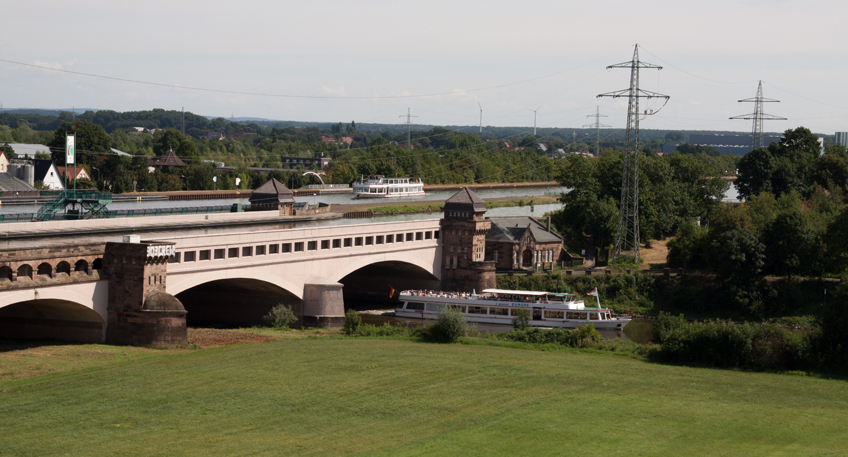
x=514 y=311
x=575 y=315
x=549 y=314
x=499 y=311
x=476 y=310
x=593 y=316
x=434 y=307
x=415 y=306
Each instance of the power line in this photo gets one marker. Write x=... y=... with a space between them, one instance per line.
x=262 y=94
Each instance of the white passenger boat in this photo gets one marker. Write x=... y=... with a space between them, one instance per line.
x=498 y=306
x=379 y=186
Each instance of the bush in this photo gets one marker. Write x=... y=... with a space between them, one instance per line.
x=352 y=322
x=450 y=324
x=522 y=319
x=281 y=316
x=730 y=345
x=581 y=337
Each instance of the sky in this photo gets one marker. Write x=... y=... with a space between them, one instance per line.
x=373 y=60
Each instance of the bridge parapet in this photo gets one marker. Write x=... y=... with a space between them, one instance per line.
x=30 y=267
x=338 y=245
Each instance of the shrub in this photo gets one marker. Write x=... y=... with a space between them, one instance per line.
x=450 y=324
x=281 y=316
x=352 y=322
x=521 y=321
x=585 y=336
x=730 y=345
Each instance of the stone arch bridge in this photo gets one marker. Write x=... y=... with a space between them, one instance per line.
x=124 y=292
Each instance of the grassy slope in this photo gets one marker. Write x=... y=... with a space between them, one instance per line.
x=396 y=397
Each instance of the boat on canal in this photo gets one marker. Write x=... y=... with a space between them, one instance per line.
x=499 y=306
x=379 y=186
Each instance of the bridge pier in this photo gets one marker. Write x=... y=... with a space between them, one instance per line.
x=323 y=305
x=140 y=312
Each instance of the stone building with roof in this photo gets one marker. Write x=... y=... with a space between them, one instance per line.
x=168 y=160
x=522 y=242
x=463 y=232
x=272 y=196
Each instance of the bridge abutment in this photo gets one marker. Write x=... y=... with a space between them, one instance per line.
x=323 y=305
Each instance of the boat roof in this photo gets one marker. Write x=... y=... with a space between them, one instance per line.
x=523 y=292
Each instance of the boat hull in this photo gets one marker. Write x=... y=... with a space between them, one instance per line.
x=485 y=311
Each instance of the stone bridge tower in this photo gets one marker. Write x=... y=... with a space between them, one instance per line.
x=140 y=312
x=463 y=231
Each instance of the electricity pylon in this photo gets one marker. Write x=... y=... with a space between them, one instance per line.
x=758 y=116
x=408 y=117
x=627 y=233
x=597 y=126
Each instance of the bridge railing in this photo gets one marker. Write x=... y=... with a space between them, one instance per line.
x=30 y=217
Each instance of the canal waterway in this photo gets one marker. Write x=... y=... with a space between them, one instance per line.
x=638 y=330
x=333 y=199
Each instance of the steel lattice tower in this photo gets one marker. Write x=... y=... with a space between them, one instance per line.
x=597 y=126
x=627 y=233
x=758 y=116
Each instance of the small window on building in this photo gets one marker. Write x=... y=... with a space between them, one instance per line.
x=379 y=239
x=219 y=253
x=399 y=238
x=232 y=252
x=357 y=241
x=419 y=236
x=174 y=258
x=428 y=235
x=369 y=240
x=287 y=247
x=337 y=243
x=312 y=245
x=390 y=238
x=260 y=250
x=273 y=248
x=189 y=256
x=204 y=255
x=247 y=251
x=298 y=247
x=409 y=237
x=436 y=235
x=325 y=244
x=348 y=242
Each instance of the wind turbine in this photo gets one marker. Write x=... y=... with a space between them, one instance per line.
x=481 y=116
x=534 y=117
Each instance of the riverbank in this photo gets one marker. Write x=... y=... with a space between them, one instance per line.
x=298 y=394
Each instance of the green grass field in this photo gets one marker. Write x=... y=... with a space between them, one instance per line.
x=351 y=396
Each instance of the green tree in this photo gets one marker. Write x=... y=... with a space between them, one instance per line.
x=8 y=150
x=89 y=138
x=791 y=245
x=755 y=173
x=172 y=139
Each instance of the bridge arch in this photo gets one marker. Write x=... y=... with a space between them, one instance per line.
x=234 y=301
x=76 y=313
x=369 y=286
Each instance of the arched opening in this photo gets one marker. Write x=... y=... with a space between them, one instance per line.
x=97 y=264
x=239 y=302
x=6 y=272
x=45 y=269
x=526 y=258
x=63 y=267
x=369 y=287
x=24 y=271
x=81 y=265
x=51 y=319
